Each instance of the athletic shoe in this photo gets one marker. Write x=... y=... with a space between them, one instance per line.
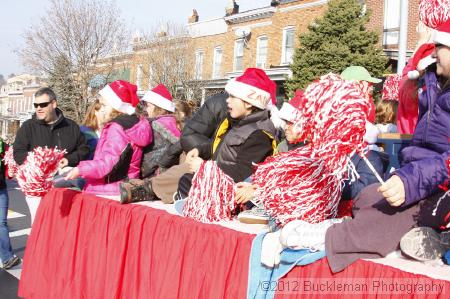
x=254 y=216
x=424 y=244
x=14 y=261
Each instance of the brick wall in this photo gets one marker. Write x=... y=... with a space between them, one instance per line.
x=376 y=21
x=273 y=29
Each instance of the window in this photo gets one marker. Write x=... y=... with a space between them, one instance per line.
x=217 y=63
x=391 y=22
x=239 y=55
x=139 y=77
x=151 y=74
x=261 y=52
x=288 y=45
x=198 y=64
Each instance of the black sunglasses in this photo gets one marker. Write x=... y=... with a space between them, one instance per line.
x=42 y=105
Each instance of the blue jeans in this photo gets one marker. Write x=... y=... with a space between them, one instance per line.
x=5 y=244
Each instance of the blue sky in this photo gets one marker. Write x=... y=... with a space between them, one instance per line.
x=17 y=15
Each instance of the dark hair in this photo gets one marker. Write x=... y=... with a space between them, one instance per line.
x=46 y=90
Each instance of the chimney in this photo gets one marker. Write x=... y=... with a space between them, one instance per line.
x=232 y=8
x=194 y=17
x=274 y=3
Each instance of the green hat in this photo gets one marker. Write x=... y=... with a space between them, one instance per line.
x=358 y=73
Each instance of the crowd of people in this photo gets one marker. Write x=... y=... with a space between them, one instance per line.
x=150 y=148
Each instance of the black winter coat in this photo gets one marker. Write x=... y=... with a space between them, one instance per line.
x=64 y=133
x=199 y=130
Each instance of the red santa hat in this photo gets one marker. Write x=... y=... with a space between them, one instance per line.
x=442 y=34
x=161 y=97
x=253 y=87
x=421 y=60
x=121 y=95
x=290 y=111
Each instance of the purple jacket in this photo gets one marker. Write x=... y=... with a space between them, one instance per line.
x=423 y=166
x=114 y=138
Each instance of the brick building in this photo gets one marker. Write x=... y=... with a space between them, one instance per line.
x=16 y=102
x=266 y=37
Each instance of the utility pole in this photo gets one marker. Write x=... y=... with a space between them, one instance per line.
x=403 y=38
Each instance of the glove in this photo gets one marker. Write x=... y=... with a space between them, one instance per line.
x=271 y=249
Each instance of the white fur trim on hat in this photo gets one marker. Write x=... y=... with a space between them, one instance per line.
x=248 y=93
x=287 y=112
x=442 y=38
x=158 y=100
x=113 y=99
x=425 y=62
x=277 y=121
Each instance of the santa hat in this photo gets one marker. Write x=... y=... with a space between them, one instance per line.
x=121 y=95
x=161 y=97
x=421 y=60
x=253 y=87
x=442 y=34
x=289 y=111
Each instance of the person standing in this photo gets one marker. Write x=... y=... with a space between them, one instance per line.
x=48 y=127
x=9 y=259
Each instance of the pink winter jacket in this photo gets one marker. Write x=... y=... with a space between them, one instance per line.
x=114 y=138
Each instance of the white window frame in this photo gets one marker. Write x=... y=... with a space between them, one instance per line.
x=284 y=60
x=259 y=63
x=199 y=64
x=217 y=63
x=391 y=22
x=235 y=57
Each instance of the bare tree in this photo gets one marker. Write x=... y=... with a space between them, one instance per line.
x=167 y=55
x=83 y=33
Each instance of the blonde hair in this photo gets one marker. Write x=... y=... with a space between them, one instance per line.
x=386 y=112
x=90 y=119
x=183 y=111
x=113 y=115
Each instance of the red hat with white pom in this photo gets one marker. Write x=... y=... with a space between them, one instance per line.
x=290 y=111
x=421 y=60
x=161 y=97
x=121 y=95
x=253 y=87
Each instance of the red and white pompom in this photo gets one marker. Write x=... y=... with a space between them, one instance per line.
x=433 y=13
x=293 y=185
x=36 y=174
x=10 y=162
x=211 y=197
x=307 y=183
x=391 y=87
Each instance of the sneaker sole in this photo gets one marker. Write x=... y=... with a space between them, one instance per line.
x=253 y=220
x=422 y=244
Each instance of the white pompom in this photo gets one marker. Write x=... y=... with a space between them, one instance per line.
x=413 y=75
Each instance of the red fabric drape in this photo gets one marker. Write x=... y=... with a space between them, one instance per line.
x=83 y=246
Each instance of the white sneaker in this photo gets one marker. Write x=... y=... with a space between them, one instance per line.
x=299 y=234
x=254 y=216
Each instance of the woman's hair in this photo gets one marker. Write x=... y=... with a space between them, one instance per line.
x=90 y=119
x=183 y=111
x=160 y=111
x=114 y=114
x=386 y=112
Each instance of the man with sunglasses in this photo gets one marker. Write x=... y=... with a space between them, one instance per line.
x=48 y=127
